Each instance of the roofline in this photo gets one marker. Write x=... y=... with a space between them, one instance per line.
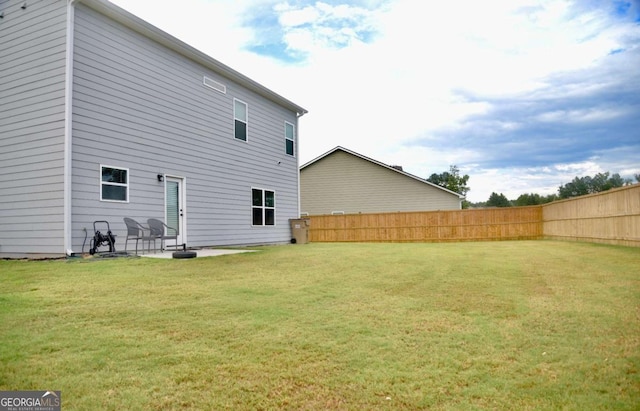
x=346 y=150
x=150 y=31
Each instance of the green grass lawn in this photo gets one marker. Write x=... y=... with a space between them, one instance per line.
x=495 y=325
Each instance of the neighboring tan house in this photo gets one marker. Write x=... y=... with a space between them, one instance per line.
x=104 y=116
x=344 y=182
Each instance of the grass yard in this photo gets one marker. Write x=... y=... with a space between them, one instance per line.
x=496 y=325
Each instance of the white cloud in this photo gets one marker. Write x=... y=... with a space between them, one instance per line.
x=311 y=28
x=515 y=181
x=291 y=17
x=582 y=116
x=429 y=66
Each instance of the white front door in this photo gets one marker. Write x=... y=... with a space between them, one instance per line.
x=174 y=209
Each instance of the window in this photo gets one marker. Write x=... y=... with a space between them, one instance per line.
x=240 y=117
x=114 y=184
x=263 y=207
x=289 y=138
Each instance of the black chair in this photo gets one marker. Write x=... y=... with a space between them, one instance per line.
x=161 y=231
x=136 y=231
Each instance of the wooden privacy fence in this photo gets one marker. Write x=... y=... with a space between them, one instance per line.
x=435 y=226
x=610 y=217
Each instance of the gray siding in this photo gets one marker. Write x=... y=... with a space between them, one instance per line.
x=347 y=183
x=32 y=74
x=141 y=106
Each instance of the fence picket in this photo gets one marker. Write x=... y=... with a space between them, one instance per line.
x=611 y=217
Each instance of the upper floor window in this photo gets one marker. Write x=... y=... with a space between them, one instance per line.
x=240 y=115
x=263 y=207
x=114 y=184
x=289 y=138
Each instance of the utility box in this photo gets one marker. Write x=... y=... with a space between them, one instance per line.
x=299 y=230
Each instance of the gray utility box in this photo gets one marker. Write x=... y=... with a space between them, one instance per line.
x=299 y=230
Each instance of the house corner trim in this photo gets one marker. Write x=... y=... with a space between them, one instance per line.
x=68 y=105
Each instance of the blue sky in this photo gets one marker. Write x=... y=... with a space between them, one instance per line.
x=521 y=95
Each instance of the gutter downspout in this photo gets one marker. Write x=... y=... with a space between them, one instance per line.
x=298 y=115
x=68 y=105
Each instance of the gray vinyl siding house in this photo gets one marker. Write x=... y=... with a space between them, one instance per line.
x=104 y=116
x=343 y=181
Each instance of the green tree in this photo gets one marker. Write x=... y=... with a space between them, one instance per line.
x=580 y=186
x=498 y=200
x=528 y=199
x=451 y=180
x=534 y=199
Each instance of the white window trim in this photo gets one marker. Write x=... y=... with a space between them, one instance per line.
x=113 y=184
x=246 y=122
x=292 y=139
x=264 y=207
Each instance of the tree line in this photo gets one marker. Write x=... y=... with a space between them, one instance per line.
x=579 y=186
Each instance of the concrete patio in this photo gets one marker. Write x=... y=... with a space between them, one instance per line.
x=205 y=252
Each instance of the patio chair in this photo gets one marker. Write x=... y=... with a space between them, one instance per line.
x=136 y=231
x=161 y=231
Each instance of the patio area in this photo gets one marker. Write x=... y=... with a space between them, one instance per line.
x=205 y=252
